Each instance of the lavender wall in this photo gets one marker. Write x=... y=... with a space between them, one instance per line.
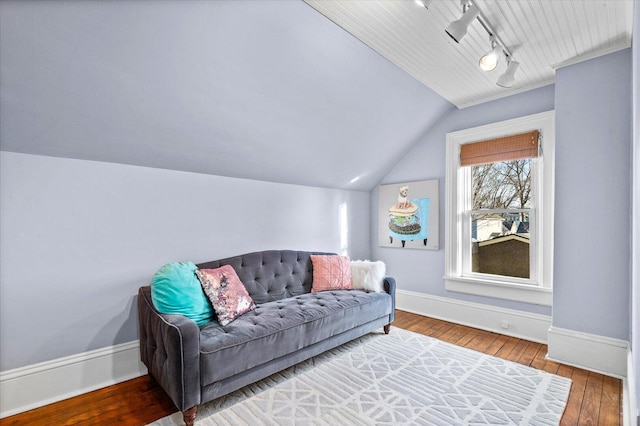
x=593 y=186
x=79 y=237
x=592 y=261
x=423 y=270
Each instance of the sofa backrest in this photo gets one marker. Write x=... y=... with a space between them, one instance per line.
x=271 y=275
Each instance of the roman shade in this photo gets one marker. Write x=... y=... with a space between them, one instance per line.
x=507 y=148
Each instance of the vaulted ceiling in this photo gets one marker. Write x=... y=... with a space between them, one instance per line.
x=542 y=35
x=269 y=90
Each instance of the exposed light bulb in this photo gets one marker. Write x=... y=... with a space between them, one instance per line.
x=489 y=61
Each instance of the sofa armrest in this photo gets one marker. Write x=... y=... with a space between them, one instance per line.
x=389 y=284
x=170 y=348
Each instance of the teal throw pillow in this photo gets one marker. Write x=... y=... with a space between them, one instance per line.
x=175 y=289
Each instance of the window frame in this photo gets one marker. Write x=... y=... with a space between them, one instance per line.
x=456 y=207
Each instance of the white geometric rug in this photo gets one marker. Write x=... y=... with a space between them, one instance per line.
x=402 y=378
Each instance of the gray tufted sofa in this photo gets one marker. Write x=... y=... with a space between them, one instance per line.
x=290 y=324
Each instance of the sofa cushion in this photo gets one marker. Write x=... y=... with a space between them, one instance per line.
x=175 y=289
x=226 y=293
x=278 y=328
x=331 y=273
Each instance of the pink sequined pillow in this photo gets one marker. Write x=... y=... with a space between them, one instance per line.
x=331 y=272
x=226 y=292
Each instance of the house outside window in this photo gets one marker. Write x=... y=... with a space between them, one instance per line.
x=499 y=210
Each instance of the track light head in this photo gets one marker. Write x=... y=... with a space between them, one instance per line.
x=489 y=61
x=507 y=79
x=458 y=29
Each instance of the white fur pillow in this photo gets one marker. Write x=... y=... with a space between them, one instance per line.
x=367 y=275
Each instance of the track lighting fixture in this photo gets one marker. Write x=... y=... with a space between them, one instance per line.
x=458 y=29
x=508 y=78
x=489 y=61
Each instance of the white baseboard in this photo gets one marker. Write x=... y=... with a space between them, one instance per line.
x=34 y=386
x=630 y=413
x=520 y=324
x=588 y=351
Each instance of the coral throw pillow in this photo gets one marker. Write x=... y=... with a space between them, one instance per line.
x=331 y=272
x=226 y=292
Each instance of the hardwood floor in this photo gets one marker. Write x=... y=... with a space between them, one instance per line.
x=594 y=399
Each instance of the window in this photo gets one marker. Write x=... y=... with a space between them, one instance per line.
x=499 y=210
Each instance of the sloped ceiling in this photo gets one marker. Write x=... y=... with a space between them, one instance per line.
x=542 y=35
x=268 y=90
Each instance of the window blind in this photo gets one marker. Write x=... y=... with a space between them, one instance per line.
x=513 y=147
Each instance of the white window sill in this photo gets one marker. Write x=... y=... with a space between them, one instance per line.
x=500 y=290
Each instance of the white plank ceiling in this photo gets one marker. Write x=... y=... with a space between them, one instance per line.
x=542 y=35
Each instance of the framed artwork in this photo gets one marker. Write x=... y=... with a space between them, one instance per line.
x=408 y=215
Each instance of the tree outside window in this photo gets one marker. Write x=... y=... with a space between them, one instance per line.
x=500 y=218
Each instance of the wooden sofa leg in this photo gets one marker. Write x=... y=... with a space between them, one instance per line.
x=387 y=328
x=189 y=416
